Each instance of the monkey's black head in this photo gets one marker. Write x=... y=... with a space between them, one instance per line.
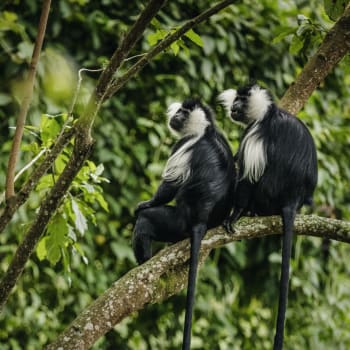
x=189 y=118
x=247 y=104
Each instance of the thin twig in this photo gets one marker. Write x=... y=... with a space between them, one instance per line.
x=82 y=148
x=163 y=44
x=26 y=167
x=77 y=90
x=10 y=189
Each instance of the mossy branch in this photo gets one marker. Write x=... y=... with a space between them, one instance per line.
x=166 y=274
x=334 y=47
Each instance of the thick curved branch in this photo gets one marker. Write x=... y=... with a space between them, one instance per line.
x=166 y=274
x=333 y=48
x=83 y=144
x=10 y=176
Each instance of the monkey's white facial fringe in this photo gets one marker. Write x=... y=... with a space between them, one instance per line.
x=177 y=167
x=258 y=103
x=172 y=109
x=226 y=98
x=196 y=123
x=254 y=155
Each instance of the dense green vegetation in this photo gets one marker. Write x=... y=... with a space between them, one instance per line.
x=87 y=244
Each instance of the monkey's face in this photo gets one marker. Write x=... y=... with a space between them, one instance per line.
x=238 y=111
x=247 y=104
x=188 y=118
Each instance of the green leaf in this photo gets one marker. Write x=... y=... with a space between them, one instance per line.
x=41 y=250
x=80 y=219
x=296 y=45
x=282 y=35
x=175 y=47
x=57 y=235
x=335 y=8
x=60 y=163
x=193 y=36
x=101 y=201
x=153 y=38
x=158 y=35
x=45 y=183
x=81 y=252
x=49 y=129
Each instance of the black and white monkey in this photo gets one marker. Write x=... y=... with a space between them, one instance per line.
x=277 y=167
x=200 y=176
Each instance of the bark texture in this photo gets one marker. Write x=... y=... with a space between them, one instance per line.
x=334 y=47
x=166 y=274
x=82 y=148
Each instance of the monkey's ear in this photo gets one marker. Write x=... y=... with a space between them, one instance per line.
x=226 y=98
x=173 y=108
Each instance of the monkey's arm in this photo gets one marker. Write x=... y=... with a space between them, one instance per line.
x=165 y=193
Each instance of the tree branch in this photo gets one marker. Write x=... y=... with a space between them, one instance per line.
x=106 y=77
x=47 y=208
x=163 y=44
x=15 y=202
x=86 y=120
x=131 y=38
x=82 y=148
x=29 y=86
x=166 y=274
x=334 y=47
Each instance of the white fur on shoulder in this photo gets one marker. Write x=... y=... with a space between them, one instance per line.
x=226 y=98
x=258 y=103
x=254 y=155
x=177 y=167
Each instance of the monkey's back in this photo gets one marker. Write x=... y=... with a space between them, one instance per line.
x=209 y=190
x=290 y=175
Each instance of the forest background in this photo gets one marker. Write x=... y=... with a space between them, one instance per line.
x=87 y=244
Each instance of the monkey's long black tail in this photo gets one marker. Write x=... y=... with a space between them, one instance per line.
x=288 y=216
x=197 y=235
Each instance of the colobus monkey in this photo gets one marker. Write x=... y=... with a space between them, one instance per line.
x=200 y=176
x=277 y=170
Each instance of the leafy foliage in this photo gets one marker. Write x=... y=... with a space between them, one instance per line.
x=237 y=291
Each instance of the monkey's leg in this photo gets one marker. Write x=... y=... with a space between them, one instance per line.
x=163 y=224
x=198 y=233
x=243 y=195
x=288 y=216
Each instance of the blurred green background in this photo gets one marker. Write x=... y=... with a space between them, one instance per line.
x=269 y=41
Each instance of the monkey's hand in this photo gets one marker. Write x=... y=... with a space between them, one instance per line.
x=143 y=205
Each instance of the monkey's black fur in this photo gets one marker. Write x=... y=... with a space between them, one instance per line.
x=203 y=198
x=284 y=153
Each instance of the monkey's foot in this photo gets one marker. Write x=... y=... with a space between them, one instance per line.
x=227 y=224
